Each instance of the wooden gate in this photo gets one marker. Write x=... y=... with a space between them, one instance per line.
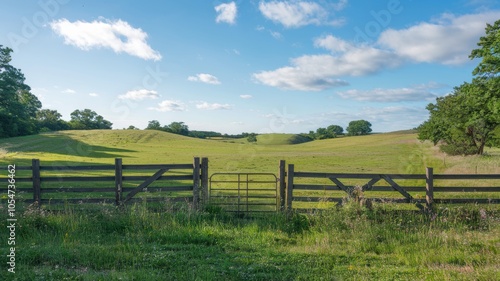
x=244 y=192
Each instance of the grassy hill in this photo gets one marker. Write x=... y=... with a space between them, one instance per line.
x=397 y=152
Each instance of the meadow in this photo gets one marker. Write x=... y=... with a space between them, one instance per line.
x=135 y=242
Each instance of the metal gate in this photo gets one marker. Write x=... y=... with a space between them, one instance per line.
x=244 y=192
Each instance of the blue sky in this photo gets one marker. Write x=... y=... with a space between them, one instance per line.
x=246 y=66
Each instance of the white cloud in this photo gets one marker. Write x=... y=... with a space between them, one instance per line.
x=319 y=72
x=449 y=40
x=93 y=94
x=226 y=12
x=246 y=96
x=117 y=35
x=275 y=34
x=388 y=95
x=333 y=44
x=297 y=13
x=68 y=91
x=168 y=106
x=139 y=95
x=340 y=5
x=213 y=106
x=205 y=78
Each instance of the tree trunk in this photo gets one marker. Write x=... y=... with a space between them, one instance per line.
x=480 y=150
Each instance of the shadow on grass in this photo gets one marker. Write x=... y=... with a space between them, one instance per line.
x=60 y=144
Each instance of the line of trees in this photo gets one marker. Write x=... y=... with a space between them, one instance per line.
x=355 y=128
x=21 y=112
x=181 y=128
x=468 y=119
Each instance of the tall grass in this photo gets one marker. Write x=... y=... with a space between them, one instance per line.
x=351 y=242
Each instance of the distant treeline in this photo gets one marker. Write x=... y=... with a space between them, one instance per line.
x=182 y=129
x=355 y=128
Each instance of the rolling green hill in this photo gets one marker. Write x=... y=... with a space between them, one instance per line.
x=397 y=152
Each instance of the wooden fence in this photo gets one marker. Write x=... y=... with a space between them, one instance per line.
x=53 y=185
x=299 y=182
x=119 y=184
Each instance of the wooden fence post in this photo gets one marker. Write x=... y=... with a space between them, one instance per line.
x=204 y=181
x=118 y=181
x=282 y=186
x=196 y=183
x=429 y=187
x=289 y=187
x=35 y=170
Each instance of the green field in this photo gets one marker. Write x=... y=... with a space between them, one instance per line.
x=391 y=153
x=99 y=242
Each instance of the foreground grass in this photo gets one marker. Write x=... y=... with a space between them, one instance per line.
x=350 y=243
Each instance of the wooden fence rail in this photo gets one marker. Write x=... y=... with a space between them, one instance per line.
x=192 y=178
x=370 y=180
x=120 y=183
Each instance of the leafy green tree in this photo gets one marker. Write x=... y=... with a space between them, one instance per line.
x=87 y=120
x=359 y=127
x=252 y=137
x=50 y=120
x=18 y=107
x=177 y=128
x=132 y=127
x=489 y=52
x=154 y=125
x=467 y=120
x=335 y=130
x=322 y=133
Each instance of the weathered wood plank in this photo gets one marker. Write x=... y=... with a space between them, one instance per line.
x=196 y=183
x=369 y=185
x=317 y=199
x=118 y=181
x=172 y=178
x=290 y=187
x=467 y=177
x=78 y=168
x=467 y=201
x=467 y=189
x=315 y=187
x=76 y=189
x=429 y=188
x=159 y=166
x=35 y=164
x=356 y=176
x=341 y=185
x=403 y=192
x=77 y=179
x=282 y=185
x=204 y=181
x=144 y=184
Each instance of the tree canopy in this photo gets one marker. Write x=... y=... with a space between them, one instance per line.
x=87 y=120
x=18 y=106
x=50 y=120
x=359 y=127
x=465 y=121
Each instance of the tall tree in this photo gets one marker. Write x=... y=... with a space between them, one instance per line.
x=50 y=120
x=359 y=127
x=177 y=128
x=87 y=120
x=18 y=106
x=335 y=130
x=465 y=121
x=154 y=125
